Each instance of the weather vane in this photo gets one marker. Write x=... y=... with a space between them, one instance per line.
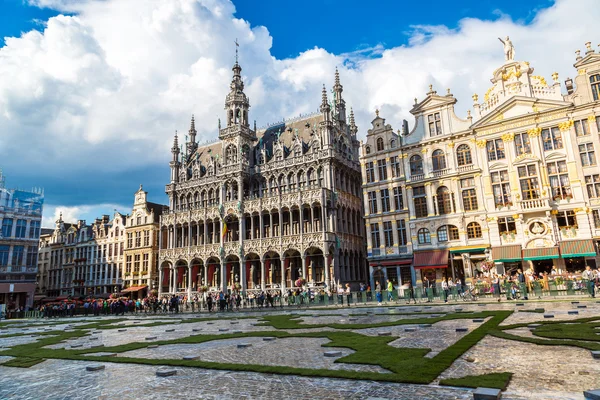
x=236 y=50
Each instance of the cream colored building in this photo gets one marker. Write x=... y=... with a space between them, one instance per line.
x=141 y=246
x=515 y=181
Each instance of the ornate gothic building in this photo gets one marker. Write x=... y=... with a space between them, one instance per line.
x=264 y=208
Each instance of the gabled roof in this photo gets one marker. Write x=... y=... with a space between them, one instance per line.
x=433 y=100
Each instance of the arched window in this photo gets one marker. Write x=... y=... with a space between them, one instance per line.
x=453 y=232
x=424 y=236
x=442 y=234
x=379 y=144
x=393 y=143
x=595 y=84
x=438 y=159
x=231 y=154
x=474 y=230
x=447 y=232
x=463 y=155
x=416 y=165
x=368 y=149
x=443 y=200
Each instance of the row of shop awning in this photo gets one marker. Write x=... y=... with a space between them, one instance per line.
x=567 y=249
x=511 y=253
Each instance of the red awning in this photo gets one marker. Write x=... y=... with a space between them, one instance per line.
x=134 y=289
x=391 y=263
x=431 y=259
x=59 y=298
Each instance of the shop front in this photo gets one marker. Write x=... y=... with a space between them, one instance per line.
x=541 y=259
x=467 y=262
x=508 y=259
x=398 y=271
x=431 y=266
x=577 y=254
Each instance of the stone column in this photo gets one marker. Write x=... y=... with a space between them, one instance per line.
x=327 y=277
x=303 y=257
x=282 y=266
x=160 y=281
x=243 y=278
x=262 y=273
x=189 y=283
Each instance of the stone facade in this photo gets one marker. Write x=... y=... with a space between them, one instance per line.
x=20 y=223
x=141 y=246
x=513 y=184
x=260 y=209
x=83 y=259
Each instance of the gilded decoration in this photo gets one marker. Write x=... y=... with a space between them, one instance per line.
x=500 y=117
x=481 y=143
x=565 y=126
x=582 y=71
x=533 y=132
x=475 y=98
x=486 y=97
x=541 y=79
x=451 y=144
x=508 y=137
x=591 y=118
x=555 y=77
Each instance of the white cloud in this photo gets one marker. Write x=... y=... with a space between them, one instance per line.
x=105 y=89
x=87 y=212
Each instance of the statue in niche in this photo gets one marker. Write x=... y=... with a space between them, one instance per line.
x=509 y=49
x=215 y=281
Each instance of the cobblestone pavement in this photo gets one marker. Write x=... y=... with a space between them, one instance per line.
x=54 y=379
x=540 y=372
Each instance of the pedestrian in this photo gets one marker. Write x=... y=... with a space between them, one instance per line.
x=446 y=289
x=522 y=285
x=411 y=292
x=378 y=292
x=589 y=278
x=390 y=290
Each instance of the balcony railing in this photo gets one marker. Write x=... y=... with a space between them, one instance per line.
x=441 y=172
x=534 y=204
x=465 y=168
x=417 y=177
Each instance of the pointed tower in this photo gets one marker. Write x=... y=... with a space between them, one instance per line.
x=353 y=127
x=326 y=124
x=175 y=164
x=236 y=106
x=340 y=104
x=192 y=145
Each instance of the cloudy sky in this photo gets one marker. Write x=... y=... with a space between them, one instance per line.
x=91 y=92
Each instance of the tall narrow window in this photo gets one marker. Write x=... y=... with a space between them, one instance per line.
x=4 y=249
x=552 y=138
x=398 y=199
x=495 y=149
x=592 y=183
x=444 y=203
x=382 y=169
x=463 y=155
x=559 y=180
x=387 y=234
x=17 y=255
x=395 y=164
x=529 y=182
x=587 y=155
x=420 y=201
x=581 y=127
x=438 y=159
x=501 y=188
x=469 y=195
x=34 y=229
x=401 y=230
x=372 y=202
x=416 y=165
x=7 y=224
x=379 y=144
x=595 y=84
x=375 y=239
x=522 y=144
x=385 y=200
x=442 y=234
x=21 y=228
x=370 y=169
x=435 y=124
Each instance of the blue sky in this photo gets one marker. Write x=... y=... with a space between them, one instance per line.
x=89 y=101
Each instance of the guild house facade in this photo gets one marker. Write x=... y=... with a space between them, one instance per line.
x=513 y=184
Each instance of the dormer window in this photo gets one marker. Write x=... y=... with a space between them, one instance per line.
x=435 y=124
x=368 y=149
x=379 y=144
x=595 y=83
